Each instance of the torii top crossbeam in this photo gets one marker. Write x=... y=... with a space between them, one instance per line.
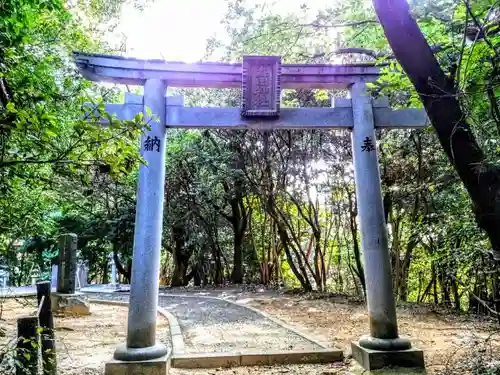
x=260 y=79
x=130 y=71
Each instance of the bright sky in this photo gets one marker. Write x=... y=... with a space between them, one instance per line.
x=177 y=30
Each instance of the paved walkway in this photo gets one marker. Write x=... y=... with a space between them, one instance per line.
x=211 y=325
x=208 y=324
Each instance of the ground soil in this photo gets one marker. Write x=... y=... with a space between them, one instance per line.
x=452 y=343
x=83 y=343
x=449 y=341
x=445 y=338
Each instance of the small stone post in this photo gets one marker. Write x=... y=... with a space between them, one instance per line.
x=384 y=335
x=27 y=346
x=53 y=276
x=46 y=321
x=67 y=263
x=141 y=333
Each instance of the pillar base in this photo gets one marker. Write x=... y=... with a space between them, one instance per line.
x=158 y=366
x=371 y=359
x=126 y=354
x=70 y=304
x=385 y=345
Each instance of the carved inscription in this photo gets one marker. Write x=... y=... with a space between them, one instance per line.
x=261 y=86
x=367 y=145
x=152 y=144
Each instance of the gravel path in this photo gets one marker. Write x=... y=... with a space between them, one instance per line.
x=211 y=325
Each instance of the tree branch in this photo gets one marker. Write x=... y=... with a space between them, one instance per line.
x=376 y=55
x=490 y=310
x=345 y=24
x=50 y=161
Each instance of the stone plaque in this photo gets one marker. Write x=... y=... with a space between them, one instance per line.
x=261 y=86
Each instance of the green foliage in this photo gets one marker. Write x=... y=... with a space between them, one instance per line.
x=284 y=199
x=54 y=152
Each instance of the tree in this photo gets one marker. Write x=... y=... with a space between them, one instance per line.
x=50 y=148
x=439 y=94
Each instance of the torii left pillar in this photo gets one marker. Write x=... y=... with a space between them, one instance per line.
x=142 y=353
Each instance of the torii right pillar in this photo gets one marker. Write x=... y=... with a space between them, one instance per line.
x=382 y=347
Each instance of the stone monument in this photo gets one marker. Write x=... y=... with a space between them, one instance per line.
x=81 y=275
x=66 y=300
x=114 y=282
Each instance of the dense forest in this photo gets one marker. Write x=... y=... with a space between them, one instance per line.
x=270 y=207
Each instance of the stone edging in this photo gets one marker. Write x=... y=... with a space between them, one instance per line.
x=277 y=321
x=234 y=359
x=175 y=330
x=180 y=359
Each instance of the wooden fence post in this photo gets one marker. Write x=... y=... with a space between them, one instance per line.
x=27 y=346
x=43 y=290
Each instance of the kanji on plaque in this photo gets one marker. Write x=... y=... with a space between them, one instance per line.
x=152 y=144
x=368 y=145
x=261 y=86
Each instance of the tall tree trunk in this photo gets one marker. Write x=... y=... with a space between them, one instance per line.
x=20 y=275
x=319 y=264
x=179 y=274
x=218 y=274
x=405 y=269
x=496 y=292
x=360 y=273
x=119 y=266
x=237 y=273
x=438 y=95
x=434 y=285
x=421 y=298
x=299 y=272
x=239 y=223
x=456 y=295
x=105 y=272
x=180 y=256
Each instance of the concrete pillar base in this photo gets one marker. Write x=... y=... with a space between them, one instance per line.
x=371 y=359
x=159 y=366
x=126 y=354
x=385 y=345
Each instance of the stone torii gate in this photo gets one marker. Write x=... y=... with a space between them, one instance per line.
x=261 y=79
